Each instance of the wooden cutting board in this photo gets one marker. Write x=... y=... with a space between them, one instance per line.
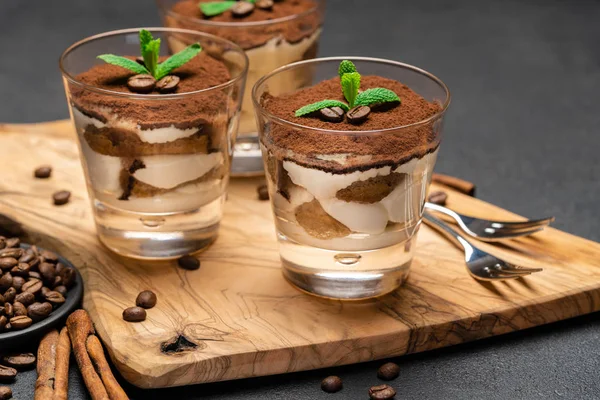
x=237 y=317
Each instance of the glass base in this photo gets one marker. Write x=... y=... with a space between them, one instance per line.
x=353 y=275
x=158 y=236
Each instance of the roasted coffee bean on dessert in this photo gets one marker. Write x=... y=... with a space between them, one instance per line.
x=167 y=84
x=134 y=314
x=188 y=262
x=388 y=371
x=146 y=299
x=438 y=198
x=331 y=114
x=242 y=9
x=332 y=384
x=264 y=4
x=263 y=192
x=5 y=393
x=61 y=197
x=358 y=115
x=21 y=361
x=142 y=83
x=20 y=322
x=43 y=172
x=39 y=311
x=382 y=392
x=7 y=374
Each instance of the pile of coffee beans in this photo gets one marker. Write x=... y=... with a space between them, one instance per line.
x=387 y=372
x=145 y=300
x=9 y=367
x=33 y=283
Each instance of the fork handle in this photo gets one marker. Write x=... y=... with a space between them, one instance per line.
x=445 y=230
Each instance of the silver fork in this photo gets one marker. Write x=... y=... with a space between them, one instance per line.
x=481 y=265
x=492 y=231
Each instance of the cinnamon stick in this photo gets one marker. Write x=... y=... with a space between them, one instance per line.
x=46 y=363
x=80 y=327
x=63 y=353
x=96 y=352
x=457 y=184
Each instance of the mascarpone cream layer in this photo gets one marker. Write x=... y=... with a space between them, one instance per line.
x=402 y=205
x=157 y=135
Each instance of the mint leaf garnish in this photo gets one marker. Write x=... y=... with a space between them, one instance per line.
x=150 y=49
x=213 y=8
x=311 y=108
x=346 y=67
x=177 y=60
x=376 y=96
x=123 y=62
x=350 y=86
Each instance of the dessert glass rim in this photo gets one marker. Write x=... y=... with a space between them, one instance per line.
x=167 y=10
x=72 y=79
x=284 y=121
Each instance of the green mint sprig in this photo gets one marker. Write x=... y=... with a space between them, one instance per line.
x=212 y=8
x=150 y=50
x=319 y=105
x=350 y=82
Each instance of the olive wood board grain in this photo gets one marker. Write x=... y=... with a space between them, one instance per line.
x=236 y=317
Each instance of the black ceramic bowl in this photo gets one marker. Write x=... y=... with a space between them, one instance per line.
x=57 y=317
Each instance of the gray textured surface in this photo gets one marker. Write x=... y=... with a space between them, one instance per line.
x=523 y=125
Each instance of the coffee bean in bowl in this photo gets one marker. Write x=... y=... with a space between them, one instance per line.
x=32 y=299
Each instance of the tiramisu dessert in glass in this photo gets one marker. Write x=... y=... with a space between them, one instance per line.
x=273 y=34
x=155 y=131
x=349 y=161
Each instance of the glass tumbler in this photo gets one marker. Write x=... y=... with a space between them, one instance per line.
x=269 y=44
x=331 y=245
x=156 y=165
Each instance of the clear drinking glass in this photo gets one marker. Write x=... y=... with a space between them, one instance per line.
x=269 y=44
x=319 y=252
x=157 y=189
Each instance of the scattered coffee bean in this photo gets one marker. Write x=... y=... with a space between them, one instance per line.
x=13 y=243
x=54 y=298
x=7 y=374
x=331 y=115
x=382 y=392
x=5 y=393
x=142 y=83
x=189 y=262
x=61 y=197
x=43 y=172
x=19 y=309
x=332 y=384
x=32 y=286
x=388 y=371
x=20 y=362
x=134 y=314
x=146 y=299
x=264 y=4
x=21 y=322
x=167 y=84
x=8 y=262
x=39 y=311
x=9 y=295
x=242 y=9
x=25 y=298
x=358 y=114
x=263 y=192
x=62 y=290
x=438 y=198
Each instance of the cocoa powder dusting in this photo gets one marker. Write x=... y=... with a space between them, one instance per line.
x=202 y=72
x=248 y=37
x=386 y=148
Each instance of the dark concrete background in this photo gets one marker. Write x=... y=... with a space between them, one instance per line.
x=523 y=124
